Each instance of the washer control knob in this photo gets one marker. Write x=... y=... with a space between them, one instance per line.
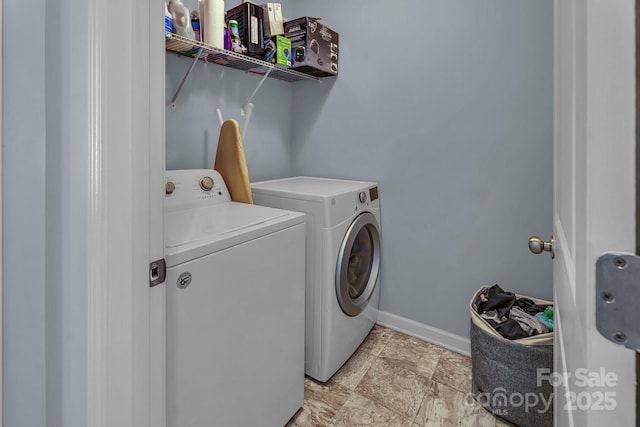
x=206 y=183
x=169 y=187
x=362 y=197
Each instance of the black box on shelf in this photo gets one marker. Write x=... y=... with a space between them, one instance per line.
x=250 y=27
x=314 y=46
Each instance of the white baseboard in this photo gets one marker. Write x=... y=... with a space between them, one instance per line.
x=426 y=333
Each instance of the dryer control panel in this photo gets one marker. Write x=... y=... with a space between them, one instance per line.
x=190 y=188
x=373 y=193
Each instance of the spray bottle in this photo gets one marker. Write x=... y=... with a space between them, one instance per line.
x=181 y=19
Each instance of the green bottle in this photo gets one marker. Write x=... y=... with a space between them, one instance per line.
x=236 y=45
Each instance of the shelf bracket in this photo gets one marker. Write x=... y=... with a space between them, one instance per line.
x=264 y=77
x=184 y=79
x=247 y=108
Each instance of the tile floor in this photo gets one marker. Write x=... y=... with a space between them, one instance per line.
x=395 y=380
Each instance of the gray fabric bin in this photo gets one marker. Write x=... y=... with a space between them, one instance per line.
x=505 y=375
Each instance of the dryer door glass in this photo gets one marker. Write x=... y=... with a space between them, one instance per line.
x=360 y=261
x=358 y=264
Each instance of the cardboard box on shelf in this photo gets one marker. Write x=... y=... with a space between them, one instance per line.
x=273 y=19
x=279 y=51
x=314 y=46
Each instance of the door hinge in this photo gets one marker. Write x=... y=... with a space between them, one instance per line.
x=157 y=272
x=618 y=298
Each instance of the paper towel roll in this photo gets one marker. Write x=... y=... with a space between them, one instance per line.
x=214 y=23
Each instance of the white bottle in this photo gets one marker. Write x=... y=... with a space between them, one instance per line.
x=214 y=23
x=203 y=21
x=181 y=19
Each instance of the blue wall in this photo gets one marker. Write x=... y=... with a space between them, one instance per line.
x=448 y=106
x=24 y=161
x=192 y=129
x=67 y=150
x=44 y=207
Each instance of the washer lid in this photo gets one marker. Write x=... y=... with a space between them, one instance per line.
x=195 y=232
x=305 y=187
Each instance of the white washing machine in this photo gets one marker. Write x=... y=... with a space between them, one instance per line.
x=342 y=262
x=234 y=307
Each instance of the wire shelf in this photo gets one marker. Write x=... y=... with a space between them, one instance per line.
x=186 y=47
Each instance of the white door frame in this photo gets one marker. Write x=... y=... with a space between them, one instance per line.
x=1 y=222
x=125 y=364
x=637 y=176
x=594 y=201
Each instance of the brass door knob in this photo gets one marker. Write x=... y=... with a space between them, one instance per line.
x=169 y=187
x=537 y=245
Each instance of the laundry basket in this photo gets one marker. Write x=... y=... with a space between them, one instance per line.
x=509 y=377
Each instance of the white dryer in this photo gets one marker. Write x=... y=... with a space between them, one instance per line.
x=342 y=262
x=234 y=307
